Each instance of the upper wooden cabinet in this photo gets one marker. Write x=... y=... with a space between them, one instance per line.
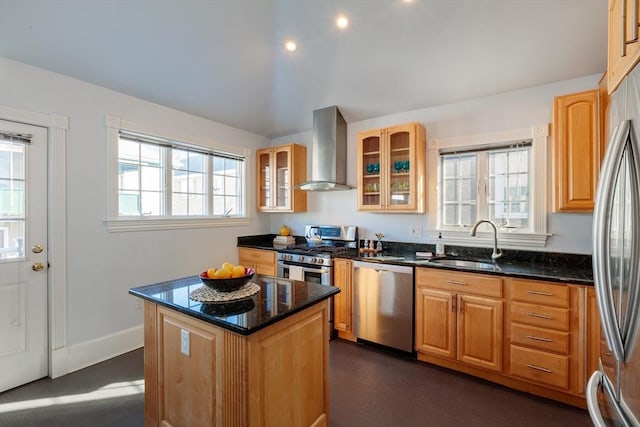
x=576 y=151
x=279 y=169
x=623 y=45
x=391 y=169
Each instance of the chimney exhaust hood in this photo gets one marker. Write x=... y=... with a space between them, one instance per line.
x=328 y=152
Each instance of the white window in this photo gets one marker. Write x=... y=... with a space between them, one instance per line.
x=492 y=184
x=501 y=177
x=160 y=182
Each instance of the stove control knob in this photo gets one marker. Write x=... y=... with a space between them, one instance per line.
x=313 y=260
x=300 y=258
x=289 y=257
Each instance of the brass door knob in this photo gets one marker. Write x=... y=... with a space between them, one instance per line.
x=38 y=266
x=36 y=249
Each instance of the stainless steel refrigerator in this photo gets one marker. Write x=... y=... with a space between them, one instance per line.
x=613 y=391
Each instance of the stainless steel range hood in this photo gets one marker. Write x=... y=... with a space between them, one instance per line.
x=328 y=152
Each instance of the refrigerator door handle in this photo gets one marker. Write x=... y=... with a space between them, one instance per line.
x=632 y=321
x=601 y=236
x=592 y=399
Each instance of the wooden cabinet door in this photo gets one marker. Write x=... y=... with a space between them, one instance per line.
x=435 y=322
x=405 y=164
x=623 y=46
x=189 y=367
x=480 y=332
x=576 y=157
x=278 y=170
x=370 y=166
x=342 y=302
x=262 y=261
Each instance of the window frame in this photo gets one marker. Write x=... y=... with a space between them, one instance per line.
x=537 y=238
x=116 y=223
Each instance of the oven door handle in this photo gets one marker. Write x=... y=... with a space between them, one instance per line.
x=320 y=269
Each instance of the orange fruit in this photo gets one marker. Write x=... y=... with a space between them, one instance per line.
x=238 y=271
x=222 y=273
x=211 y=273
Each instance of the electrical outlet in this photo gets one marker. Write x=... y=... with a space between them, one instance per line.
x=415 y=230
x=184 y=342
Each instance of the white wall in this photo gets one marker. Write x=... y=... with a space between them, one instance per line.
x=102 y=266
x=570 y=233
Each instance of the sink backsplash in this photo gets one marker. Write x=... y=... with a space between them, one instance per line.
x=533 y=257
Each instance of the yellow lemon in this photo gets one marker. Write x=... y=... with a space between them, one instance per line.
x=228 y=265
x=211 y=273
x=238 y=271
x=222 y=273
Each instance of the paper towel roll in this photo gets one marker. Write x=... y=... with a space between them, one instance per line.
x=296 y=272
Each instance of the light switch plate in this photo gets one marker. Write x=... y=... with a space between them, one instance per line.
x=184 y=342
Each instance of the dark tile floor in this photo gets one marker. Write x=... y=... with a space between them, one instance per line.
x=368 y=387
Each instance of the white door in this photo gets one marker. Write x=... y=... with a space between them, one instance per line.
x=23 y=254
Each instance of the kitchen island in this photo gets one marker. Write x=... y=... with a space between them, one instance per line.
x=260 y=360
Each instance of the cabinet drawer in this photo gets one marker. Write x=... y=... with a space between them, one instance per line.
x=540 y=315
x=459 y=282
x=540 y=338
x=256 y=256
x=539 y=293
x=547 y=368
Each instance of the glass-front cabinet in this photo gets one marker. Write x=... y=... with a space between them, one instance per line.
x=278 y=170
x=391 y=169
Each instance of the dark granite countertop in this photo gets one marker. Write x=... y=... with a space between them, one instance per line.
x=277 y=299
x=548 y=266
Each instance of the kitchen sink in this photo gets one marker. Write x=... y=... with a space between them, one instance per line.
x=476 y=265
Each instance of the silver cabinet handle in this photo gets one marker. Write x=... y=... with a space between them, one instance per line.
x=539 y=368
x=538 y=315
x=546 y=294
x=533 y=337
x=456 y=282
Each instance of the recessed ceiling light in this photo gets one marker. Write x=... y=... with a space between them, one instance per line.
x=342 y=21
x=290 y=45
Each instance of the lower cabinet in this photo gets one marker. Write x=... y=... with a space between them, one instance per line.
x=343 y=302
x=538 y=337
x=456 y=325
x=261 y=260
x=461 y=327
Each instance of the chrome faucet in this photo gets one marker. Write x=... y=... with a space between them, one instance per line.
x=497 y=253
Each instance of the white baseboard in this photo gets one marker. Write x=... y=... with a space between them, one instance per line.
x=66 y=360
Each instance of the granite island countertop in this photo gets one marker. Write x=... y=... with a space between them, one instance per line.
x=534 y=265
x=277 y=299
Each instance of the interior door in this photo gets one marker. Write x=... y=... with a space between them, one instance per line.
x=23 y=254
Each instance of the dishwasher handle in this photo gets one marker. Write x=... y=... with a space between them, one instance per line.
x=379 y=267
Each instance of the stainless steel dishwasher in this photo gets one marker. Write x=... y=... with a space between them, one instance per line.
x=383 y=304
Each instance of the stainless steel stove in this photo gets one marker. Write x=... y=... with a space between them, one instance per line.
x=313 y=262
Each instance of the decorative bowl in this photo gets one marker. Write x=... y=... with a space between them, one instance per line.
x=227 y=285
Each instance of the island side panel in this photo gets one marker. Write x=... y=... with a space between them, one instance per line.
x=188 y=384
x=288 y=371
x=150 y=365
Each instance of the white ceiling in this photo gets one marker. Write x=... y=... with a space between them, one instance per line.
x=224 y=59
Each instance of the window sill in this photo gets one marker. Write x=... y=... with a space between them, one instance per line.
x=485 y=239
x=120 y=225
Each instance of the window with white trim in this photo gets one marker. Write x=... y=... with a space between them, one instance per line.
x=488 y=183
x=500 y=176
x=163 y=178
x=158 y=179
